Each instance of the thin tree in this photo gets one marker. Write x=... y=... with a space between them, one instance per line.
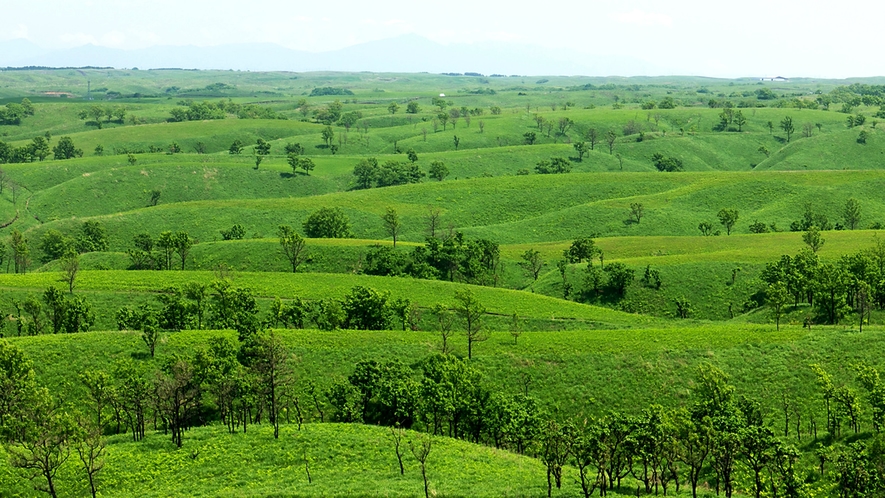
x=392 y=225
x=777 y=297
x=532 y=263
x=90 y=449
x=433 y=220
x=851 y=213
x=420 y=448
x=70 y=265
x=610 y=138
x=396 y=433
x=472 y=311
x=636 y=211
x=787 y=126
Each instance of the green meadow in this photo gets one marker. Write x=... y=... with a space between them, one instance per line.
x=562 y=333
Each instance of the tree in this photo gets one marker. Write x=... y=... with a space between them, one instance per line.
x=292 y=246
x=443 y=118
x=412 y=155
x=262 y=149
x=472 y=311
x=393 y=107
x=813 y=239
x=582 y=249
x=294 y=148
x=304 y=163
x=438 y=170
x=777 y=296
x=366 y=309
x=739 y=120
x=581 y=148
x=529 y=137
x=456 y=140
x=328 y=134
x=619 y=277
x=420 y=448
x=391 y=224
x=90 y=448
x=270 y=361
x=556 y=442
x=92 y=237
x=329 y=223
x=532 y=263
x=592 y=137
x=728 y=218
x=42 y=441
x=182 y=243
x=236 y=147
x=851 y=213
x=21 y=255
x=413 y=107
x=787 y=126
x=65 y=149
x=70 y=265
x=636 y=211
x=610 y=138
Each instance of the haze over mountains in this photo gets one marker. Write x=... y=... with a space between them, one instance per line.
x=406 y=53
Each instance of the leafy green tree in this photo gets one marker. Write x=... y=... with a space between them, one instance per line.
x=182 y=244
x=728 y=218
x=530 y=137
x=393 y=107
x=306 y=164
x=236 y=232
x=367 y=171
x=581 y=148
x=851 y=213
x=92 y=237
x=413 y=107
x=21 y=254
x=329 y=223
x=813 y=239
x=787 y=126
x=236 y=147
x=438 y=170
x=777 y=297
x=619 y=277
x=582 y=249
x=65 y=149
x=166 y=243
x=412 y=155
x=294 y=148
x=54 y=245
x=553 y=166
x=366 y=309
x=328 y=135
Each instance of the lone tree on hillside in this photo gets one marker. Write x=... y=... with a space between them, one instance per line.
x=392 y=225
x=636 y=211
x=813 y=239
x=787 y=126
x=728 y=218
x=471 y=310
x=438 y=170
x=777 y=297
x=292 y=246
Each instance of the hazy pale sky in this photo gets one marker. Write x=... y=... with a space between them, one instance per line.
x=745 y=38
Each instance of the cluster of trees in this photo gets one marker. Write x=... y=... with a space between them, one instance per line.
x=52 y=312
x=91 y=238
x=164 y=253
x=855 y=283
x=13 y=114
x=368 y=173
x=198 y=111
x=553 y=166
x=454 y=258
x=669 y=164
x=97 y=112
x=38 y=149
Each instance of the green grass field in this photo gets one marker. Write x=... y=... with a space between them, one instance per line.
x=577 y=359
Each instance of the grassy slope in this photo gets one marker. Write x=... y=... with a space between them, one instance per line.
x=344 y=460
x=316 y=286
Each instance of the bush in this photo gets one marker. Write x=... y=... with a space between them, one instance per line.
x=236 y=232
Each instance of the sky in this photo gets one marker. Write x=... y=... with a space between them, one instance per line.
x=707 y=38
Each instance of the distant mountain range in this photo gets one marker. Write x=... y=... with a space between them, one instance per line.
x=408 y=53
